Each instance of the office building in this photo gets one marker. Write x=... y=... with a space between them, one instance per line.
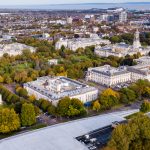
x=55 y=88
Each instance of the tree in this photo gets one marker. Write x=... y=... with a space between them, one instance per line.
x=140 y=87
x=72 y=111
x=132 y=136
x=28 y=116
x=44 y=105
x=1 y=79
x=51 y=110
x=96 y=106
x=63 y=106
x=77 y=104
x=147 y=92
x=145 y=107
x=70 y=107
x=22 y=92
x=115 y=39
x=7 y=79
x=109 y=98
x=9 y=120
x=130 y=95
x=32 y=98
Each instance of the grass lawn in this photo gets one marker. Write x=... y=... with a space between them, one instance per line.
x=22 y=66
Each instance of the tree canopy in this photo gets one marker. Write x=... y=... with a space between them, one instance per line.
x=28 y=116
x=9 y=120
x=132 y=136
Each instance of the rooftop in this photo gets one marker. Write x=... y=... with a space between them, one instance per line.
x=110 y=71
x=57 y=87
x=141 y=68
x=62 y=136
x=6 y=48
x=143 y=60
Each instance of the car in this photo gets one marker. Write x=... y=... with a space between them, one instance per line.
x=92 y=147
x=115 y=124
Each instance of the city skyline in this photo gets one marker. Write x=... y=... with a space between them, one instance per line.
x=38 y=2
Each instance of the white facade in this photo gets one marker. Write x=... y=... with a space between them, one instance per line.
x=69 y=20
x=104 y=17
x=53 y=61
x=62 y=22
x=141 y=71
x=123 y=16
x=107 y=75
x=55 y=88
x=115 y=10
x=74 y=44
x=45 y=35
x=14 y=49
x=143 y=60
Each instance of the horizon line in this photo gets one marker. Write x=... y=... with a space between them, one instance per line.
x=71 y=3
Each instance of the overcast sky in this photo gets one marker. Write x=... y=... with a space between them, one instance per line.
x=29 y=2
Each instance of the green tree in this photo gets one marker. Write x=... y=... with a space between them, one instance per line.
x=63 y=106
x=1 y=79
x=77 y=104
x=7 y=79
x=51 y=109
x=115 y=39
x=9 y=120
x=22 y=92
x=145 y=107
x=70 y=107
x=140 y=87
x=28 y=116
x=44 y=105
x=130 y=95
x=132 y=136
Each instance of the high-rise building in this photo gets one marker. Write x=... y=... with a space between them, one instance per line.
x=123 y=16
x=69 y=20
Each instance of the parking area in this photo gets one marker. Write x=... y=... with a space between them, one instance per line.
x=97 y=139
x=121 y=85
x=47 y=119
x=101 y=87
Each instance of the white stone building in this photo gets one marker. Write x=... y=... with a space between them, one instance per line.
x=69 y=20
x=55 y=88
x=14 y=49
x=122 y=49
x=107 y=75
x=53 y=61
x=74 y=44
x=123 y=16
x=143 y=60
x=141 y=71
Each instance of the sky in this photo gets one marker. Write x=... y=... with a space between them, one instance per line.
x=38 y=2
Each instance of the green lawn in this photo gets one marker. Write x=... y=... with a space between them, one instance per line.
x=22 y=66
